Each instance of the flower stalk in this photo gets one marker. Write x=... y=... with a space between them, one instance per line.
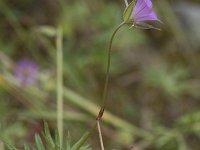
x=104 y=99
x=105 y=91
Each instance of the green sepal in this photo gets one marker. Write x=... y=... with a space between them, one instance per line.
x=128 y=11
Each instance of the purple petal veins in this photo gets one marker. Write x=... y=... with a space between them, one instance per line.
x=142 y=7
x=151 y=16
x=143 y=11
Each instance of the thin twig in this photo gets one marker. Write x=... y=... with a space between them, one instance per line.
x=100 y=135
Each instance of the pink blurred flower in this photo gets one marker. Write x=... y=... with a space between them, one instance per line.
x=26 y=72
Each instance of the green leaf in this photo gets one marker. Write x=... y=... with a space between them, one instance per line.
x=81 y=141
x=47 y=136
x=128 y=11
x=68 y=142
x=39 y=142
x=86 y=147
x=10 y=147
x=57 y=140
x=26 y=147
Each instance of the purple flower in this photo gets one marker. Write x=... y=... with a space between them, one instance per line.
x=142 y=12
x=26 y=72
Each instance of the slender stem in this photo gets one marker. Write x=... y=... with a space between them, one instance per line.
x=100 y=135
x=126 y=2
x=104 y=98
x=105 y=91
x=59 y=47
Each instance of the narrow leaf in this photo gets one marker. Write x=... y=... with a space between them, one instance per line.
x=10 y=147
x=81 y=141
x=47 y=136
x=86 y=147
x=26 y=147
x=57 y=140
x=68 y=142
x=39 y=142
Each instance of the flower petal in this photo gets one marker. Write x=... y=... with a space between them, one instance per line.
x=151 y=16
x=143 y=11
x=143 y=25
x=142 y=7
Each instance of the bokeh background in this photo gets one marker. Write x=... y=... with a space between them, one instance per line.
x=155 y=75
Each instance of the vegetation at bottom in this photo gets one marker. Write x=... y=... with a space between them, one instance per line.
x=48 y=142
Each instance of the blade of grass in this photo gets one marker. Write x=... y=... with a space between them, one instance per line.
x=26 y=147
x=57 y=140
x=59 y=47
x=83 y=139
x=68 y=142
x=47 y=136
x=39 y=143
x=51 y=115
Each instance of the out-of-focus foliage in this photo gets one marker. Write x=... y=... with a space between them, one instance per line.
x=155 y=76
x=50 y=142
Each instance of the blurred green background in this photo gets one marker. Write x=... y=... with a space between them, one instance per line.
x=155 y=77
